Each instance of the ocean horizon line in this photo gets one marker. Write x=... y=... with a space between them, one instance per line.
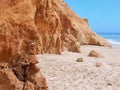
x=107 y=33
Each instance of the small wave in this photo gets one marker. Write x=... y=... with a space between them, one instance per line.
x=114 y=42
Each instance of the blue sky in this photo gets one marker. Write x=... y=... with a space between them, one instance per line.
x=103 y=15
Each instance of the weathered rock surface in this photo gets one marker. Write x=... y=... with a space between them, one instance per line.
x=22 y=73
x=51 y=25
x=17 y=32
x=60 y=28
x=8 y=80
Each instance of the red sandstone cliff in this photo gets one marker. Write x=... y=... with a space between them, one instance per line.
x=49 y=24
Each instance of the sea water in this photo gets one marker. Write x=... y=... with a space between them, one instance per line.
x=112 y=38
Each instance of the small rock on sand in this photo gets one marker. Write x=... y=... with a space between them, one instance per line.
x=98 y=64
x=79 y=60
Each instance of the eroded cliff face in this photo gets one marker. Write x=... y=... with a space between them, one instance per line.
x=61 y=29
x=28 y=27
x=18 y=36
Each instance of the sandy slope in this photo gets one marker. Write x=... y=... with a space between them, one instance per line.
x=64 y=73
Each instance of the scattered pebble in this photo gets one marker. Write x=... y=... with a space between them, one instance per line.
x=109 y=84
x=79 y=60
x=98 y=64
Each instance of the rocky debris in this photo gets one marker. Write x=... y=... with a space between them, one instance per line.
x=79 y=60
x=93 y=53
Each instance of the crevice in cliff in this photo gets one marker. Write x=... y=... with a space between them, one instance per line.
x=25 y=71
x=24 y=66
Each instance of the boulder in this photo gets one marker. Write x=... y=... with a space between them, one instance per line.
x=93 y=53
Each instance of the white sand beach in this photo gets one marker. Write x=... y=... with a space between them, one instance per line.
x=62 y=72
